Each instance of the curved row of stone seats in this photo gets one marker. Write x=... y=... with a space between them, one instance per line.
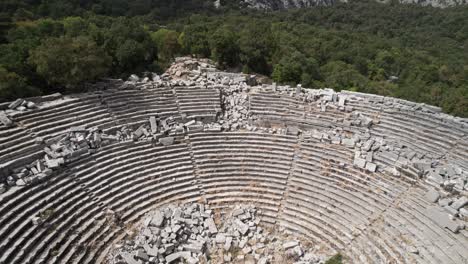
x=285 y=109
x=430 y=137
x=19 y=234
x=159 y=187
x=198 y=102
x=162 y=175
x=407 y=224
x=132 y=181
x=17 y=143
x=330 y=200
x=130 y=106
x=56 y=119
x=422 y=131
x=245 y=167
x=459 y=153
x=316 y=192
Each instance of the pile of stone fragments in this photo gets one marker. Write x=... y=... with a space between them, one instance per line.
x=193 y=233
x=17 y=105
x=77 y=143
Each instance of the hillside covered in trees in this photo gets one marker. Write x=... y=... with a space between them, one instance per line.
x=407 y=51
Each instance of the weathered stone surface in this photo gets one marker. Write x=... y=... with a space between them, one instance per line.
x=432 y=196
x=460 y=202
x=443 y=219
x=166 y=141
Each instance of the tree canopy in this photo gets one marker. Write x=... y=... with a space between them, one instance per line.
x=406 y=51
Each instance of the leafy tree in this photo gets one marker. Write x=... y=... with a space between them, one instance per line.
x=225 y=48
x=194 y=40
x=295 y=69
x=342 y=76
x=167 y=43
x=13 y=86
x=69 y=61
x=257 y=45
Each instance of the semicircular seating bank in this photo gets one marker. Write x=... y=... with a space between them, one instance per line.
x=378 y=179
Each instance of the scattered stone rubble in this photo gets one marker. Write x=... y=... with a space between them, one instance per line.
x=18 y=105
x=193 y=233
x=354 y=130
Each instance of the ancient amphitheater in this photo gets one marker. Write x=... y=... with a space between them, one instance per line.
x=379 y=179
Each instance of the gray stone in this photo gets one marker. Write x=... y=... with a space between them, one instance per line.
x=16 y=103
x=166 y=141
x=241 y=227
x=141 y=254
x=432 y=196
x=128 y=258
x=463 y=212
x=460 y=202
x=211 y=226
x=360 y=163
x=368 y=145
x=372 y=167
x=194 y=247
x=5 y=120
x=348 y=142
x=154 y=127
x=442 y=219
x=173 y=257
x=290 y=244
x=342 y=100
x=31 y=105
x=157 y=219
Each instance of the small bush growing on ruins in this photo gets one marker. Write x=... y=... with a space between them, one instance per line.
x=234 y=252
x=336 y=259
x=46 y=214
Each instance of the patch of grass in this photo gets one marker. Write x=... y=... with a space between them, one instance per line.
x=336 y=259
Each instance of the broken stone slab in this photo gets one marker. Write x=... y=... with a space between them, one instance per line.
x=157 y=219
x=16 y=103
x=190 y=123
x=209 y=222
x=292 y=130
x=241 y=227
x=360 y=163
x=432 y=196
x=290 y=244
x=367 y=122
x=178 y=255
x=372 y=167
x=443 y=219
x=460 y=202
x=77 y=129
x=31 y=105
x=166 y=141
x=154 y=127
x=342 y=100
x=348 y=142
x=194 y=247
x=141 y=255
x=151 y=251
x=139 y=132
x=368 y=145
x=128 y=258
x=298 y=89
x=5 y=120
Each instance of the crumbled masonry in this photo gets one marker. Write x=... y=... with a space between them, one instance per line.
x=215 y=159
x=188 y=234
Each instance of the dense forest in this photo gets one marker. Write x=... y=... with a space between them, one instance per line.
x=407 y=51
